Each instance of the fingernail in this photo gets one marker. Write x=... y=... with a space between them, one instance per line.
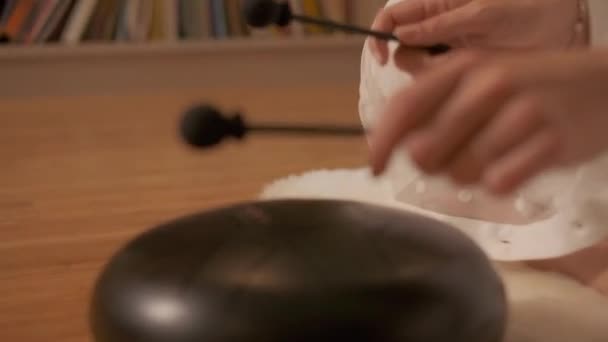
x=375 y=172
x=376 y=54
x=373 y=157
x=377 y=169
x=371 y=162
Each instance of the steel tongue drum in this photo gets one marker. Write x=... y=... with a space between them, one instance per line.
x=290 y=270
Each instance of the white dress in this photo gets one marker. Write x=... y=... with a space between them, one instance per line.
x=557 y=213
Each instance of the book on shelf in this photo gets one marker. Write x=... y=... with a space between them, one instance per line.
x=70 y=22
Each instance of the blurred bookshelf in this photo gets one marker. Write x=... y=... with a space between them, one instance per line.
x=170 y=23
x=61 y=47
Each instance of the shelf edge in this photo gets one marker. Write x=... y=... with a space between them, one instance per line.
x=97 y=50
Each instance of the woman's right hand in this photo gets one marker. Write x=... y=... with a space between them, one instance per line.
x=498 y=119
x=495 y=24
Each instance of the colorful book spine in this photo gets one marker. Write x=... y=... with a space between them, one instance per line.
x=219 y=19
x=77 y=22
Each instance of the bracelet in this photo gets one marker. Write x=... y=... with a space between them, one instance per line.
x=581 y=27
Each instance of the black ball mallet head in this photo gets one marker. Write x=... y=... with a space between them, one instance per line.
x=204 y=126
x=263 y=13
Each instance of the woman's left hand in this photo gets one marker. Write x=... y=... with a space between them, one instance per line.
x=499 y=120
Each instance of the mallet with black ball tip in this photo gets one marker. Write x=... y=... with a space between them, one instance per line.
x=206 y=126
x=262 y=13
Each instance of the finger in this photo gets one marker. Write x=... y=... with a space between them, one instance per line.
x=383 y=22
x=466 y=169
x=390 y=17
x=412 y=61
x=474 y=102
x=416 y=61
x=600 y=282
x=418 y=144
x=444 y=27
x=423 y=143
x=519 y=120
x=522 y=163
x=411 y=11
x=412 y=106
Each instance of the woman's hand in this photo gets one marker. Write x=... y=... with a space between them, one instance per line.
x=496 y=24
x=499 y=119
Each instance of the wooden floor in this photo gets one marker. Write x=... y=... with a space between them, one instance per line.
x=81 y=175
